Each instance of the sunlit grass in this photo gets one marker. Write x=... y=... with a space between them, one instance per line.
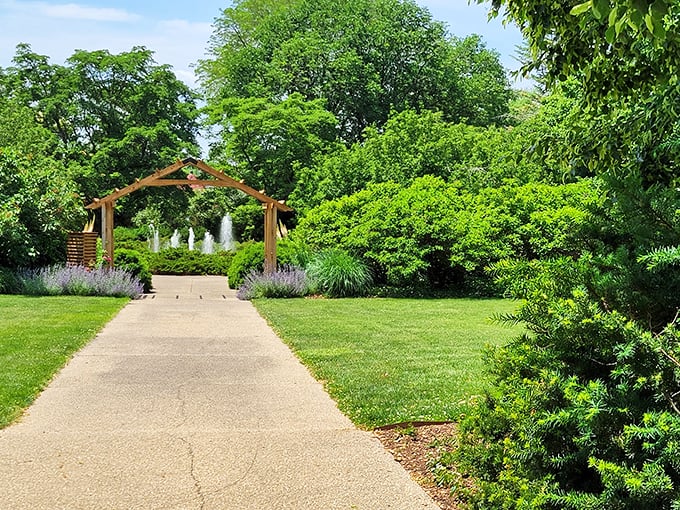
x=38 y=335
x=393 y=360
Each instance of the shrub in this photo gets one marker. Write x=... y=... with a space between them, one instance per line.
x=337 y=274
x=80 y=281
x=286 y=282
x=131 y=239
x=134 y=262
x=9 y=281
x=434 y=234
x=584 y=412
x=248 y=258
x=39 y=205
x=182 y=261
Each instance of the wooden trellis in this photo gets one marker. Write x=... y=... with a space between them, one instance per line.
x=220 y=179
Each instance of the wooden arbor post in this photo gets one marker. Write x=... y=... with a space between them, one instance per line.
x=107 y=231
x=270 y=224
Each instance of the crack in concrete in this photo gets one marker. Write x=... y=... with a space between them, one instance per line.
x=190 y=448
x=192 y=471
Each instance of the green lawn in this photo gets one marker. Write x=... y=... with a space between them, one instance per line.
x=37 y=337
x=392 y=360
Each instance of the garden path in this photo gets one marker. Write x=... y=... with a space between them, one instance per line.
x=188 y=400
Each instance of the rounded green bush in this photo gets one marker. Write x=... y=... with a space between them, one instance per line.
x=336 y=273
x=135 y=263
x=250 y=257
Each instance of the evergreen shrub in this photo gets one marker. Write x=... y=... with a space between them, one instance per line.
x=585 y=410
x=182 y=261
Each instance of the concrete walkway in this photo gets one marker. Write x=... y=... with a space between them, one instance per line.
x=187 y=400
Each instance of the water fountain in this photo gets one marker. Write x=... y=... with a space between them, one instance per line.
x=154 y=240
x=191 y=238
x=175 y=239
x=208 y=243
x=227 y=233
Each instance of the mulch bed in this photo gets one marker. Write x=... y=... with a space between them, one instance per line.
x=413 y=446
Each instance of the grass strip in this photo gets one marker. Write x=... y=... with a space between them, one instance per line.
x=393 y=360
x=38 y=335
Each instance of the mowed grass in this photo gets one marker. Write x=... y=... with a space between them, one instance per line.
x=390 y=361
x=38 y=335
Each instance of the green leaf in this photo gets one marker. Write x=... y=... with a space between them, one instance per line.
x=620 y=23
x=612 y=16
x=579 y=9
x=649 y=21
x=659 y=31
x=660 y=8
x=601 y=9
x=610 y=34
x=636 y=18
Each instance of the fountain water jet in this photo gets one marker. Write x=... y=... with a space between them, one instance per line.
x=154 y=240
x=191 y=239
x=227 y=233
x=208 y=243
x=175 y=239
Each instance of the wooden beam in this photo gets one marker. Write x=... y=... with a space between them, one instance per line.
x=233 y=183
x=158 y=174
x=270 y=227
x=156 y=179
x=190 y=182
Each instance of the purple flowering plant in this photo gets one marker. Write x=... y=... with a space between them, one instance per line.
x=285 y=282
x=80 y=281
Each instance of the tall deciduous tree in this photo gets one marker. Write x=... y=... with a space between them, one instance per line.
x=119 y=116
x=364 y=58
x=268 y=141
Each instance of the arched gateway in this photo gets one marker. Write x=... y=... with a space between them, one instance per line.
x=159 y=178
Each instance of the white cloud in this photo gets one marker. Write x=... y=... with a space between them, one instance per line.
x=84 y=12
x=68 y=11
x=181 y=25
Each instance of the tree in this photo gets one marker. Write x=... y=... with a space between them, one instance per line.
x=585 y=411
x=268 y=140
x=414 y=144
x=364 y=58
x=38 y=206
x=117 y=116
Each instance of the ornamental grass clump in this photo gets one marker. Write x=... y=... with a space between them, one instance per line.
x=79 y=281
x=336 y=273
x=286 y=282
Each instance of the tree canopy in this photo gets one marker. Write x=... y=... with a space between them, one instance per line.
x=115 y=117
x=364 y=59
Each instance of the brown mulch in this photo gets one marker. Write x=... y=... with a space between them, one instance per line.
x=413 y=446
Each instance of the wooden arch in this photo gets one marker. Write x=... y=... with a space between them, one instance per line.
x=220 y=179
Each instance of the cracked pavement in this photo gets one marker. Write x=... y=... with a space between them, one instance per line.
x=188 y=400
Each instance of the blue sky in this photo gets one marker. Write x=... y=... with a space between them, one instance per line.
x=178 y=30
